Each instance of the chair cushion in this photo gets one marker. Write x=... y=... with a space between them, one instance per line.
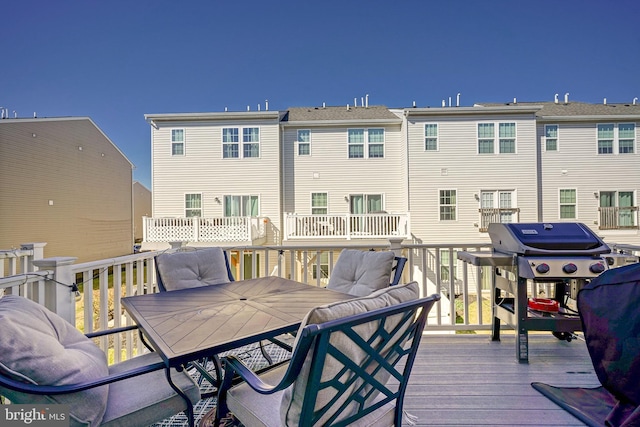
x=361 y=272
x=191 y=269
x=39 y=347
x=143 y=400
x=292 y=398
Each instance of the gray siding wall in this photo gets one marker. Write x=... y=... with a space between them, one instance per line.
x=458 y=166
x=90 y=189
x=203 y=170
x=577 y=165
x=329 y=169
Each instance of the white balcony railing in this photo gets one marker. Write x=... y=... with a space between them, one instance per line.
x=209 y=230
x=616 y=218
x=88 y=294
x=346 y=226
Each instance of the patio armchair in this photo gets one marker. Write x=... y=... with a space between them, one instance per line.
x=350 y=366
x=359 y=272
x=46 y=360
x=195 y=268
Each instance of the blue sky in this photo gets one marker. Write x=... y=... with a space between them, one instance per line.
x=116 y=60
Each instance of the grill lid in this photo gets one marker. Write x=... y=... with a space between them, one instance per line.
x=563 y=238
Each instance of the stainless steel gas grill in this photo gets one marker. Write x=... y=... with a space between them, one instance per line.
x=532 y=259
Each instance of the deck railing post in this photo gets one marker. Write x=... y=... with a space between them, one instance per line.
x=37 y=252
x=59 y=295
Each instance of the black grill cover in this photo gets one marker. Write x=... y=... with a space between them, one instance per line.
x=609 y=308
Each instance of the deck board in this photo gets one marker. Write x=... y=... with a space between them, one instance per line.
x=468 y=380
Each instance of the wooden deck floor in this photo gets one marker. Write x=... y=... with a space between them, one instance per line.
x=468 y=380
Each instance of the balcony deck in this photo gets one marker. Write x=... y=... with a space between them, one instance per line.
x=468 y=380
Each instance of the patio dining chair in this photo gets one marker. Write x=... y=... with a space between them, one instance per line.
x=350 y=366
x=359 y=272
x=196 y=268
x=46 y=360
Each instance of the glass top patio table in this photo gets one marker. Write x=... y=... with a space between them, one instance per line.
x=188 y=324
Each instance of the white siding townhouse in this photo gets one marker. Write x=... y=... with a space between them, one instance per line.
x=353 y=175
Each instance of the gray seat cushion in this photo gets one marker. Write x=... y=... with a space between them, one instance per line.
x=39 y=347
x=191 y=269
x=146 y=399
x=361 y=272
x=284 y=408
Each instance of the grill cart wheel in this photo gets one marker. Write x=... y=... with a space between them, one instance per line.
x=563 y=336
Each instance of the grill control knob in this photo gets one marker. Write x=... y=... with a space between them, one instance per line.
x=597 y=268
x=542 y=268
x=570 y=268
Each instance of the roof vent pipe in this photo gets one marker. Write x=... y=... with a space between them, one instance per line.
x=362 y=101
x=515 y=101
x=15 y=114
x=226 y=109
x=248 y=108
x=458 y=99
x=414 y=104
x=566 y=98
x=444 y=104
x=366 y=100
x=258 y=107
x=635 y=100
x=266 y=105
x=35 y=115
x=347 y=107
x=324 y=105
x=355 y=102
x=604 y=101
x=1 y=112
x=449 y=101
x=555 y=98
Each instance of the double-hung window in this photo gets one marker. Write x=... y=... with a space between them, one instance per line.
x=376 y=143
x=356 y=143
x=250 y=142
x=177 y=142
x=551 y=137
x=506 y=138
x=230 y=147
x=241 y=206
x=374 y=140
x=192 y=205
x=486 y=138
x=626 y=138
x=605 y=138
x=319 y=203
x=447 y=205
x=431 y=137
x=567 y=203
x=304 y=142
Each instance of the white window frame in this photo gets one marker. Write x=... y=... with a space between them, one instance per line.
x=249 y=144
x=633 y=139
x=177 y=143
x=325 y=207
x=242 y=197
x=561 y=204
x=300 y=143
x=188 y=208
x=431 y=138
x=242 y=142
x=496 y=139
x=441 y=206
x=366 y=144
x=234 y=142
x=612 y=139
x=546 y=138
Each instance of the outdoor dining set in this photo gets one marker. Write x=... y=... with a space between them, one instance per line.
x=351 y=347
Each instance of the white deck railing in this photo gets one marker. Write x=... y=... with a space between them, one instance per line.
x=88 y=294
x=346 y=226
x=208 y=230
